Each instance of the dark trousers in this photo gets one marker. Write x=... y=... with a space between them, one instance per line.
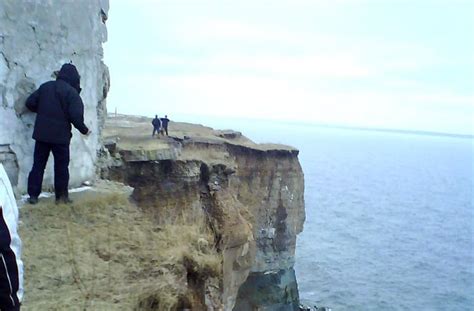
x=9 y=278
x=166 y=129
x=61 y=168
x=156 y=129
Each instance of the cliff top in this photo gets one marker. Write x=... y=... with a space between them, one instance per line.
x=132 y=136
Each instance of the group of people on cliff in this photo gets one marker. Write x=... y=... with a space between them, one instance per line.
x=160 y=125
x=58 y=105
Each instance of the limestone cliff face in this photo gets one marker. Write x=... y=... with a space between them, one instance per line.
x=36 y=38
x=251 y=196
x=270 y=183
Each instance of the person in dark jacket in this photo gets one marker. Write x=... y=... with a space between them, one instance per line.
x=156 y=125
x=164 y=124
x=57 y=105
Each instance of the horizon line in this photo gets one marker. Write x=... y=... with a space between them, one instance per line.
x=358 y=128
x=336 y=126
x=395 y=130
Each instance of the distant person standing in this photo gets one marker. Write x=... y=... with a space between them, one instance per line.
x=164 y=123
x=156 y=125
x=57 y=105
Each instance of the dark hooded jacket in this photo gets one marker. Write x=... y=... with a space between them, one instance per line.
x=58 y=104
x=164 y=122
x=156 y=122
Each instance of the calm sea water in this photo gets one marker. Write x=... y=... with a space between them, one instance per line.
x=389 y=219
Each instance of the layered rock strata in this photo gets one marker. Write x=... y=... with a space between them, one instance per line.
x=36 y=38
x=250 y=194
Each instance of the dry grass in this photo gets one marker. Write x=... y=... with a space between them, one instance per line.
x=103 y=253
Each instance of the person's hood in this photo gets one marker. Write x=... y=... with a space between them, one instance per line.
x=69 y=74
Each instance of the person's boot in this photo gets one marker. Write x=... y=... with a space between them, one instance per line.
x=64 y=200
x=33 y=200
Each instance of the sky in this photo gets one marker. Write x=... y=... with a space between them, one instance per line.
x=395 y=64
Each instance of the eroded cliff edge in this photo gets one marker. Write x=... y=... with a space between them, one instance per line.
x=251 y=196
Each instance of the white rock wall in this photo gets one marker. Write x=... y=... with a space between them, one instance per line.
x=36 y=38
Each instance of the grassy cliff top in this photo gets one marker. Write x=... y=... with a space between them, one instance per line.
x=104 y=253
x=134 y=133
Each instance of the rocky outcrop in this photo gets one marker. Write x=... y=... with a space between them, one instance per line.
x=36 y=38
x=250 y=194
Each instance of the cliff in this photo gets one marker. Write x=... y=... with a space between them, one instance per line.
x=36 y=38
x=212 y=225
x=250 y=194
x=213 y=219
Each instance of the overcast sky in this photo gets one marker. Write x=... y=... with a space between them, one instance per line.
x=406 y=64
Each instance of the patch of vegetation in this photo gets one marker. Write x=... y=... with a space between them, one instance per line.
x=104 y=253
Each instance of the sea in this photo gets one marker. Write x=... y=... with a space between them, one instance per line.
x=389 y=217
